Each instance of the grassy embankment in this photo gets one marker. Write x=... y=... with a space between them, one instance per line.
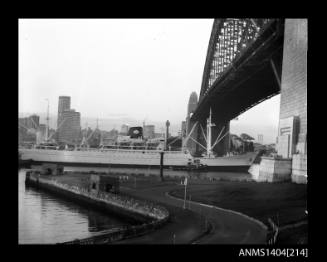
x=284 y=203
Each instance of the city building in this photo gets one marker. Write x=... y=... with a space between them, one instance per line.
x=41 y=134
x=124 y=129
x=192 y=104
x=63 y=105
x=27 y=127
x=68 y=122
x=70 y=127
x=32 y=121
x=149 y=132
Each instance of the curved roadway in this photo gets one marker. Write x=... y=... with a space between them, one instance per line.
x=228 y=227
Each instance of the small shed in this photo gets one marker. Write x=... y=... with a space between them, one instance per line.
x=104 y=183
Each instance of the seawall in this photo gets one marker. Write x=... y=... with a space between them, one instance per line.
x=147 y=215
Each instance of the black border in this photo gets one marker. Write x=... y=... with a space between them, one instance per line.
x=136 y=251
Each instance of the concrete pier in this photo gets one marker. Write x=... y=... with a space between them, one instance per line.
x=272 y=170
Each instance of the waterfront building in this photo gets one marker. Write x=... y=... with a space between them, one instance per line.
x=124 y=129
x=41 y=134
x=63 y=105
x=30 y=122
x=69 y=130
x=27 y=127
x=68 y=122
x=149 y=131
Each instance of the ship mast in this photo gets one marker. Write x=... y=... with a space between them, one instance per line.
x=209 y=125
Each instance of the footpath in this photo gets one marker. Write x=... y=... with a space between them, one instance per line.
x=228 y=227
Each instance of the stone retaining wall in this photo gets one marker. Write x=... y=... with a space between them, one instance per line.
x=274 y=170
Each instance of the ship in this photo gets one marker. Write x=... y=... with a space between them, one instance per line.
x=129 y=151
x=230 y=162
x=134 y=151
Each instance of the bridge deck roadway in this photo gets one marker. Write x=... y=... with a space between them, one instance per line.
x=227 y=227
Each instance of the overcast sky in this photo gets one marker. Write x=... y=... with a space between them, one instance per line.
x=143 y=69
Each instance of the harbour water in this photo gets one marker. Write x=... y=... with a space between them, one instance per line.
x=47 y=219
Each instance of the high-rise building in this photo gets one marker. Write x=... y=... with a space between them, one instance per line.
x=68 y=122
x=70 y=128
x=63 y=105
x=192 y=104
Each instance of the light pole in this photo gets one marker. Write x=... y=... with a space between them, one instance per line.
x=185 y=184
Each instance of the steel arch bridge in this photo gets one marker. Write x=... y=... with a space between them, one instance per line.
x=243 y=68
x=243 y=55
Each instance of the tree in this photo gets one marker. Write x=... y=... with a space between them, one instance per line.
x=246 y=137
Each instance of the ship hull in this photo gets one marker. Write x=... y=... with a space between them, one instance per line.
x=108 y=158
x=134 y=159
x=236 y=163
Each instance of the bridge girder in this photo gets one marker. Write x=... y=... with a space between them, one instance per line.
x=253 y=72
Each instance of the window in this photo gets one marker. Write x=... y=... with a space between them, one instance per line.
x=94 y=186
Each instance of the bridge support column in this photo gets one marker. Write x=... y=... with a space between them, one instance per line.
x=293 y=103
x=292 y=130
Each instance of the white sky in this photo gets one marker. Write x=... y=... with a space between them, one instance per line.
x=143 y=69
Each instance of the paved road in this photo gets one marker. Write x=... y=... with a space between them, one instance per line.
x=228 y=227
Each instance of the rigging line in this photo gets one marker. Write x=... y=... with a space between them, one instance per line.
x=203 y=133
x=90 y=134
x=24 y=126
x=188 y=136
x=173 y=140
x=33 y=121
x=220 y=139
x=57 y=128
x=218 y=136
x=198 y=143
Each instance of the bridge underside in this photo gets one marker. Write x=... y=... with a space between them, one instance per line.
x=251 y=78
x=254 y=78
